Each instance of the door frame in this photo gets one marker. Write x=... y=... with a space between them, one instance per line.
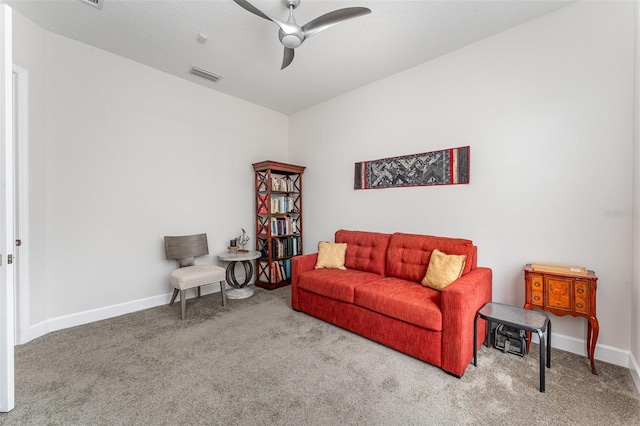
x=7 y=339
x=21 y=185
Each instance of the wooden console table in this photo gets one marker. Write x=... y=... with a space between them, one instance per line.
x=565 y=293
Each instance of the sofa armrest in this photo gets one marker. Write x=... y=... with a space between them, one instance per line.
x=300 y=264
x=460 y=302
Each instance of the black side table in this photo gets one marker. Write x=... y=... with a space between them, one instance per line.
x=523 y=319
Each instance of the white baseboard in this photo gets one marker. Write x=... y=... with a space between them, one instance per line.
x=604 y=353
x=106 y=312
x=635 y=371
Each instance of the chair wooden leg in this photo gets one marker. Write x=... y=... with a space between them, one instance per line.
x=183 y=303
x=173 y=298
x=198 y=291
x=224 y=293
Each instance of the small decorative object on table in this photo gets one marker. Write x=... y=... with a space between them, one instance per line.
x=243 y=239
x=233 y=246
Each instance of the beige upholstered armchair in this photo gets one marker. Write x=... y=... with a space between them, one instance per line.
x=185 y=249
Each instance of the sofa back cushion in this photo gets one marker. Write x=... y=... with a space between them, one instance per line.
x=366 y=251
x=408 y=255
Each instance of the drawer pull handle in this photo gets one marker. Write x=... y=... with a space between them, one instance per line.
x=580 y=305
x=536 y=298
x=580 y=290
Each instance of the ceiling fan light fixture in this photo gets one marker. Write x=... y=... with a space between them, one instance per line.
x=291 y=41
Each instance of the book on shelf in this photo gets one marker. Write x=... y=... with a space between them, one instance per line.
x=283 y=204
x=283 y=226
x=282 y=184
x=280 y=270
x=285 y=246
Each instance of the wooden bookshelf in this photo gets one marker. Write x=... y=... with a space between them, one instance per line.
x=278 y=194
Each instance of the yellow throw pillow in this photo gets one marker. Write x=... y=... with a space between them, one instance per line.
x=331 y=255
x=443 y=269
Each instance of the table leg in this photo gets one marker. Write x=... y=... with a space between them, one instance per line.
x=240 y=291
x=548 y=343
x=593 y=329
x=231 y=273
x=542 y=353
x=527 y=333
x=475 y=341
x=589 y=335
x=488 y=338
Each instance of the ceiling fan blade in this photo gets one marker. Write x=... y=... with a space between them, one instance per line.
x=284 y=26
x=251 y=8
x=288 y=57
x=330 y=19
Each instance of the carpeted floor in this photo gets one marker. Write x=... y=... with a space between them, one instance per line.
x=258 y=362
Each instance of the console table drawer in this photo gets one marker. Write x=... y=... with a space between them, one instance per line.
x=537 y=290
x=581 y=297
x=559 y=293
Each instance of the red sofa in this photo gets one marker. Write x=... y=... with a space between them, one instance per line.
x=379 y=295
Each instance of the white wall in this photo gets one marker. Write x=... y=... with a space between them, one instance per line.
x=121 y=155
x=635 y=300
x=547 y=110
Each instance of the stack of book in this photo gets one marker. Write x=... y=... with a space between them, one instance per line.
x=282 y=184
x=282 y=226
x=280 y=270
x=284 y=247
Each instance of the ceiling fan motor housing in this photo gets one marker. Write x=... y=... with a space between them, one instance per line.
x=291 y=40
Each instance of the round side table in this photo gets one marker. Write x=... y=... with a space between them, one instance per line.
x=240 y=290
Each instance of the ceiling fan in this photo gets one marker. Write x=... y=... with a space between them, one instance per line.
x=292 y=35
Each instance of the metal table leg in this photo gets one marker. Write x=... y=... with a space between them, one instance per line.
x=548 y=343
x=542 y=354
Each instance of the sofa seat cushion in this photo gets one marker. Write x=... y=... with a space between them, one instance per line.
x=404 y=300
x=334 y=283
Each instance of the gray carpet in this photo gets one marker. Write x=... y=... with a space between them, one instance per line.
x=258 y=362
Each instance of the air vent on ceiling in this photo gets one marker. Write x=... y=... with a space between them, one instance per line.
x=205 y=74
x=95 y=3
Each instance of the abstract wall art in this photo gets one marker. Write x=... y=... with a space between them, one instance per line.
x=444 y=167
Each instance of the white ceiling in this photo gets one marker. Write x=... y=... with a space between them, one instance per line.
x=245 y=49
